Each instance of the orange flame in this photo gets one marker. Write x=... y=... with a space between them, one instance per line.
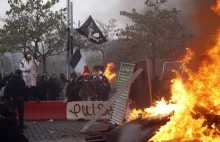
x=109 y=71
x=201 y=88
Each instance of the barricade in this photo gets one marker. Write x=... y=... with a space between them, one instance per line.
x=45 y=110
x=84 y=110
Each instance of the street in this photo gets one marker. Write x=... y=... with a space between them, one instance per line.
x=58 y=131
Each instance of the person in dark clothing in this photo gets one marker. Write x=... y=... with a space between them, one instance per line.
x=14 y=93
x=2 y=82
x=102 y=78
x=103 y=91
x=63 y=81
x=78 y=83
x=9 y=131
x=71 y=91
x=86 y=88
x=52 y=88
x=42 y=88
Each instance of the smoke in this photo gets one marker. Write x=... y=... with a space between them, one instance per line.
x=197 y=18
x=206 y=24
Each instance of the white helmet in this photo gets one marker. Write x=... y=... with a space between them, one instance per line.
x=100 y=72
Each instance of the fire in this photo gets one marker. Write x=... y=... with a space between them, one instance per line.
x=161 y=108
x=109 y=71
x=201 y=90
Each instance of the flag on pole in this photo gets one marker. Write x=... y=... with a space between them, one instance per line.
x=92 y=32
x=77 y=62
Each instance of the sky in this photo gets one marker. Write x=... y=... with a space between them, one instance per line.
x=102 y=10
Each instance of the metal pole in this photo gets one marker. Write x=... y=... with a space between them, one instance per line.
x=2 y=64
x=79 y=24
x=68 y=35
x=71 y=26
x=53 y=66
x=71 y=6
x=149 y=80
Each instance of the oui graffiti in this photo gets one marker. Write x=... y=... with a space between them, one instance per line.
x=89 y=111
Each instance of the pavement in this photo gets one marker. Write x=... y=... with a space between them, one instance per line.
x=59 y=131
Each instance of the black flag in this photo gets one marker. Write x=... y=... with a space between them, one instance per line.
x=92 y=32
x=75 y=58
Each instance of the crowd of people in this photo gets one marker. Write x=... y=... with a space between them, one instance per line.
x=88 y=87
x=26 y=85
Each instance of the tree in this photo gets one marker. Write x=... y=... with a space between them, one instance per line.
x=109 y=31
x=34 y=26
x=155 y=32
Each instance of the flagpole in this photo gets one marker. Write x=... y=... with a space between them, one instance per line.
x=68 y=36
x=71 y=9
x=2 y=64
x=53 y=66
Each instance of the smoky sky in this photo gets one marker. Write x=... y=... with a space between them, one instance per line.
x=206 y=24
x=104 y=10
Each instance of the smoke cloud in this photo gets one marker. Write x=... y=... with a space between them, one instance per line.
x=206 y=24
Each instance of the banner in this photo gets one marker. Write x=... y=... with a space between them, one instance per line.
x=86 y=109
x=90 y=30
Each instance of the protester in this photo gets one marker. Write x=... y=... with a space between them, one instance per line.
x=71 y=89
x=42 y=88
x=102 y=76
x=63 y=81
x=28 y=67
x=53 y=88
x=9 y=132
x=103 y=91
x=14 y=93
x=86 y=88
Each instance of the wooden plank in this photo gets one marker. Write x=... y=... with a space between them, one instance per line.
x=112 y=100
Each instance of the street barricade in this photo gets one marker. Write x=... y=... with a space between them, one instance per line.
x=85 y=110
x=45 y=110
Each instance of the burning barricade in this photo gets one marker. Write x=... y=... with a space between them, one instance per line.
x=193 y=112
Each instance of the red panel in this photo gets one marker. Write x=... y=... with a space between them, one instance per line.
x=44 y=111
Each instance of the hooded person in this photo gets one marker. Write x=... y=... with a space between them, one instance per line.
x=86 y=70
x=14 y=93
x=86 y=87
x=103 y=90
x=28 y=68
x=102 y=76
x=9 y=132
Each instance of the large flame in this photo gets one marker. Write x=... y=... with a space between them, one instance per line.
x=201 y=88
x=109 y=71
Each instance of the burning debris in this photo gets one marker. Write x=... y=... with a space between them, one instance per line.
x=195 y=104
x=138 y=130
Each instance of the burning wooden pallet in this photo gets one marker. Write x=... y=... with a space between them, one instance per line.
x=212 y=120
x=138 y=130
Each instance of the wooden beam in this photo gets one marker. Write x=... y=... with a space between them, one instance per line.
x=112 y=100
